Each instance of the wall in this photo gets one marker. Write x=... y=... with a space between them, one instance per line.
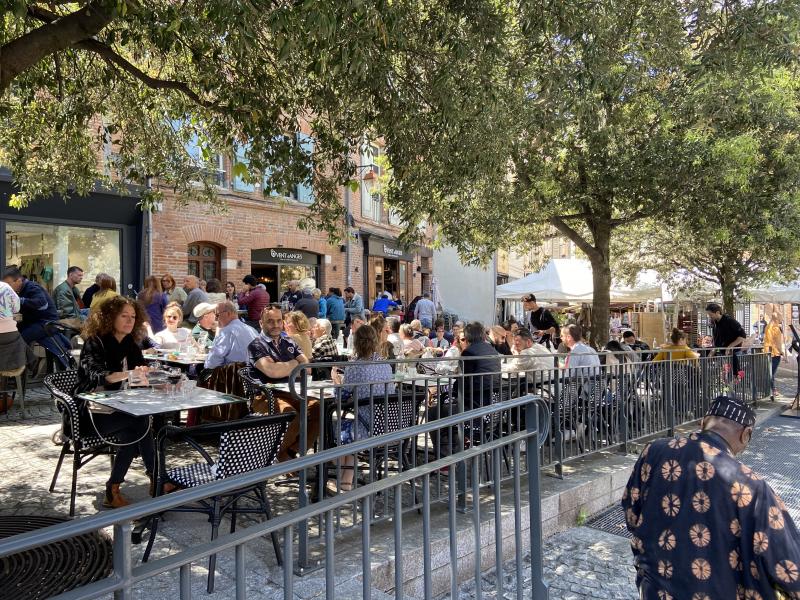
x=466 y=290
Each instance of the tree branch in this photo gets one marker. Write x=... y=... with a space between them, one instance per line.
x=635 y=216
x=22 y=53
x=586 y=247
x=111 y=57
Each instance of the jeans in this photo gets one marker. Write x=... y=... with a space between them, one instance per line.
x=126 y=429
x=56 y=344
x=776 y=361
x=427 y=322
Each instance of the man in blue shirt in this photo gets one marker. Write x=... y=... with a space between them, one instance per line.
x=383 y=303
x=335 y=310
x=232 y=338
x=425 y=311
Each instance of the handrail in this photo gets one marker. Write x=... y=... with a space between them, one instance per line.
x=26 y=541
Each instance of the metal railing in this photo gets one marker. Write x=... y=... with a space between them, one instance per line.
x=599 y=408
x=435 y=434
x=127 y=575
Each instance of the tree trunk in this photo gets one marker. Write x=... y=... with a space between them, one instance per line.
x=601 y=280
x=728 y=297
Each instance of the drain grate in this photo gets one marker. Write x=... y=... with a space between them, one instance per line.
x=52 y=569
x=611 y=520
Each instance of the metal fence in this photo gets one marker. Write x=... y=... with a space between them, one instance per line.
x=127 y=575
x=428 y=435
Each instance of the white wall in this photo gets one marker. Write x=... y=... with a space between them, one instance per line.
x=466 y=290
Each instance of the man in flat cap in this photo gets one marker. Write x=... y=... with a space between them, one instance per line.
x=704 y=525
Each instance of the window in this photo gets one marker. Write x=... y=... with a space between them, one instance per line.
x=369 y=174
x=303 y=191
x=45 y=252
x=204 y=260
x=242 y=156
x=214 y=166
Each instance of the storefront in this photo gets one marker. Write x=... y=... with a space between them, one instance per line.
x=388 y=267
x=101 y=233
x=274 y=267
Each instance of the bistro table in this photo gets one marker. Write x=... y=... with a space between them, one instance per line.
x=146 y=401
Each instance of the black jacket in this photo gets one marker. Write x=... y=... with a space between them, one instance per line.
x=482 y=375
x=102 y=355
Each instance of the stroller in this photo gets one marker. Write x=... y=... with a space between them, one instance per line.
x=58 y=344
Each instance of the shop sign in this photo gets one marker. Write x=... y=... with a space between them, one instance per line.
x=387 y=249
x=283 y=256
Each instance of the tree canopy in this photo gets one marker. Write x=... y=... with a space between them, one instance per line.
x=147 y=77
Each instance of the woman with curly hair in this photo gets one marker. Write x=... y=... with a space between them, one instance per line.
x=110 y=352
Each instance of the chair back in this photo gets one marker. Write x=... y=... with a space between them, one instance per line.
x=248 y=448
x=60 y=386
x=253 y=389
x=393 y=413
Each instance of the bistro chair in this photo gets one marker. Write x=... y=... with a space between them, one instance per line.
x=254 y=388
x=244 y=445
x=82 y=446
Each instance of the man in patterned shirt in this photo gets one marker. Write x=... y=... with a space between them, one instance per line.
x=705 y=526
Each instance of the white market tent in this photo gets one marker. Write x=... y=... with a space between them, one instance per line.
x=777 y=294
x=570 y=280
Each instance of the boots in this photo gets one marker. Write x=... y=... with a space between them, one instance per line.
x=114 y=498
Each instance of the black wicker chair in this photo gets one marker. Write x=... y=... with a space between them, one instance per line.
x=82 y=446
x=254 y=388
x=244 y=445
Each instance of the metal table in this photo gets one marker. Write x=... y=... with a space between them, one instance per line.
x=143 y=402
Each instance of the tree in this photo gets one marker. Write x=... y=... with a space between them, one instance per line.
x=144 y=79
x=739 y=224
x=590 y=134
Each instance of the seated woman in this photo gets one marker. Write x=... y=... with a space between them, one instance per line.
x=110 y=352
x=108 y=290
x=364 y=378
x=412 y=347
x=324 y=345
x=14 y=352
x=677 y=350
x=298 y=328
x=172 y=336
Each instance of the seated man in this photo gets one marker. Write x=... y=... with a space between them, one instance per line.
x=206 y=328
x=275 y=355
x=68 y=298
x=37 y=309
x=528 y=355
x=233 y=337
x=582 y=360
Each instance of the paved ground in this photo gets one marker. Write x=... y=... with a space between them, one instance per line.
x=586 y=564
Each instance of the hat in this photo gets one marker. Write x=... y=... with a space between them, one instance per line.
x=733 y=409
x=203 y=309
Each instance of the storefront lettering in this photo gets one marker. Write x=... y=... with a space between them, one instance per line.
x=392 y=251
x=286 y=256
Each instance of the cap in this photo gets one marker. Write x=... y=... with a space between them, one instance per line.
x=203 y=309
x=733 y=409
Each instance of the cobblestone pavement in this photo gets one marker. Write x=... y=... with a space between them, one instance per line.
x=587 y=564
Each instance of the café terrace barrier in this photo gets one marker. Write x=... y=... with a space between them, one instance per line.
x=440 y=442
x=627 y=399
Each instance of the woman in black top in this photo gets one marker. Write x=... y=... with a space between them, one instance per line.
x=112 y=349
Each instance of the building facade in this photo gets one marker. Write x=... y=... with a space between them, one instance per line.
x=258 y=234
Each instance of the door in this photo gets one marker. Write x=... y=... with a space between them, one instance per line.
x=204 y=260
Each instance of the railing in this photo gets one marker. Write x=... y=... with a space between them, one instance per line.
x=439 y=440
x=594 y=409
x=126 y=575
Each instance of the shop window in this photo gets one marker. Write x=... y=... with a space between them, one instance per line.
x=45 y=252
x=204 y=260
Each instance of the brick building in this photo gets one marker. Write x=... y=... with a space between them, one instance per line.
x=259 y=235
